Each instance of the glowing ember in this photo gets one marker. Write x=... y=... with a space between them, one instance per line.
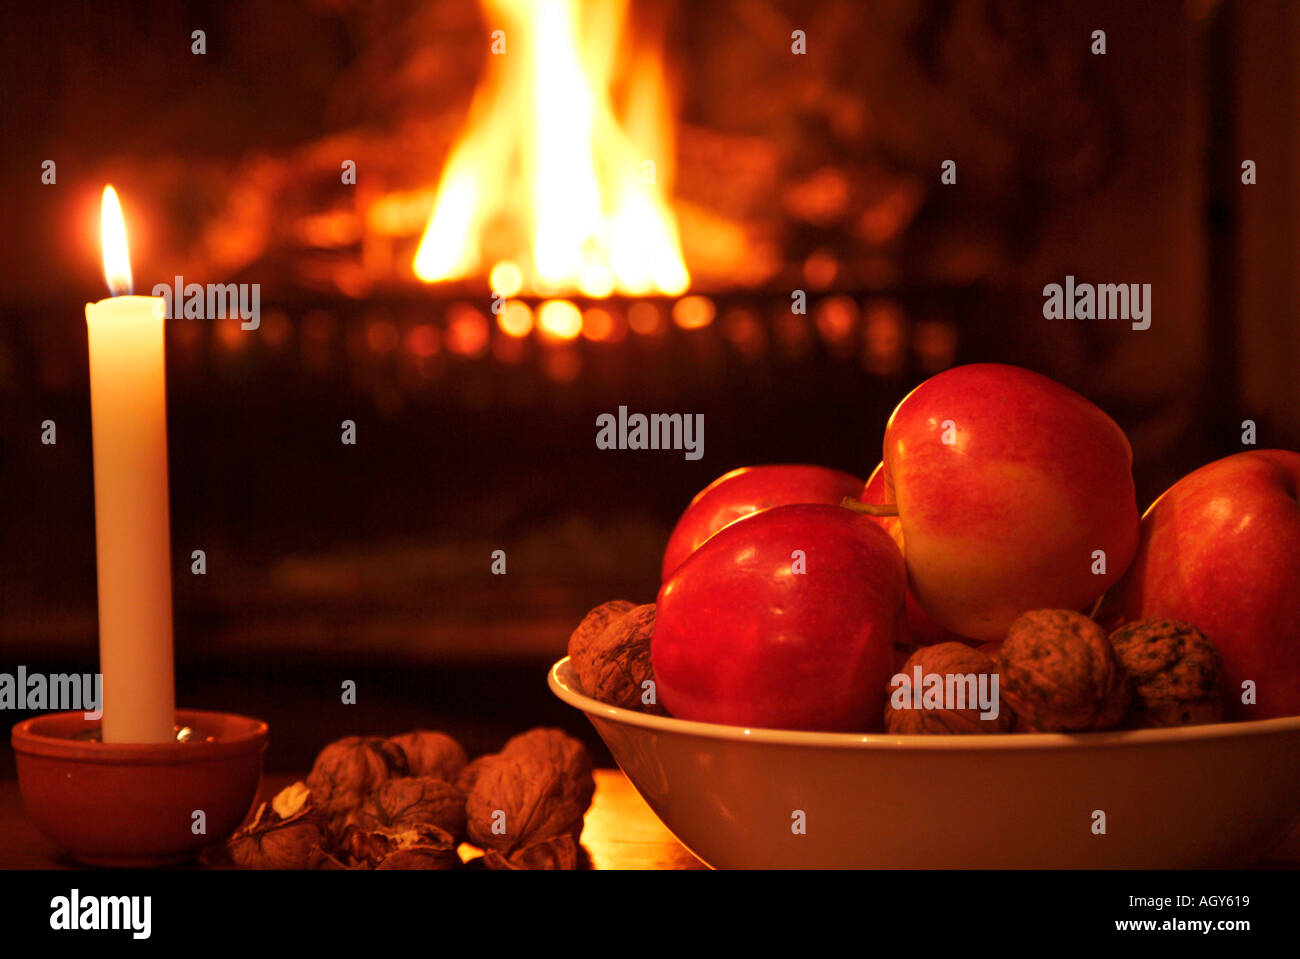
x=515 y=319
x=552 y=189
x=645 y=319
x=467 y=331
x=693 y=312
x=506 y=279
x=422 y=340
x=559 y=319
x=602 y=326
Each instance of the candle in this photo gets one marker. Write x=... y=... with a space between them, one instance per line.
x=128 y=408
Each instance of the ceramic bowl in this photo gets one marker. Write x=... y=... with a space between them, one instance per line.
x=1193 y=796
x=120 y=804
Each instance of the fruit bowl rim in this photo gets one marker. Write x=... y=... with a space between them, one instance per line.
x=559 y=678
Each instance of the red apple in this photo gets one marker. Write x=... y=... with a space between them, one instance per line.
x=1220 y=549
x=1007 y=483
x=924 y=630
x=748 y=633
x=747 y=490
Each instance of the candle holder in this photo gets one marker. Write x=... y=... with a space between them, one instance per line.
x=135 y=804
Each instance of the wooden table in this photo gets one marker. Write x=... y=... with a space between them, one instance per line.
x=620 y=832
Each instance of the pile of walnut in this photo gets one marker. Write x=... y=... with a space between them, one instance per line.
x=1058 y=671
x=410 y=801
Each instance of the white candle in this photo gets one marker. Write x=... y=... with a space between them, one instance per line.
x=128 y=405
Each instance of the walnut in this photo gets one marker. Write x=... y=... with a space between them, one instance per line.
x=400 y=803
x=431 y=754
x=557 y=746
x=287 y=833
x=1060 y=674
x=537 y=788
x=419 y=846
x=1176 y=670
x=347 y=770
x=613 y=664
x=558 y=852
x=469 y=775
x=594 y=623
x=948 y=661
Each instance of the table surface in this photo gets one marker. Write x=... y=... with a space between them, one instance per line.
x=620 y=832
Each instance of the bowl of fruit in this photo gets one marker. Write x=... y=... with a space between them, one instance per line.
x=982 y=656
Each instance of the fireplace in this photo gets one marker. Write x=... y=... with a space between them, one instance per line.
x=777 y=215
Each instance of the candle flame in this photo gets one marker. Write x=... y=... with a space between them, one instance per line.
x=117 y=263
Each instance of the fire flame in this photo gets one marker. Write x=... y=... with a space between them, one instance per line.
x=547 y=191
x=112 y=232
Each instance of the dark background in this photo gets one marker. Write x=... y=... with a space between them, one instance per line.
x=371 y=562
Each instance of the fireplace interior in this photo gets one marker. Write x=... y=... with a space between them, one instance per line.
x=831 y=269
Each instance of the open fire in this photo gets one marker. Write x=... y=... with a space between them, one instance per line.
x=560 y=181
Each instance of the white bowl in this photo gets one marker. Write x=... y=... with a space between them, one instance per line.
x=1216 y=795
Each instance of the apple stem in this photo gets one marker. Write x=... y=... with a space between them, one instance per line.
x=1096 y=607
x=871 y=509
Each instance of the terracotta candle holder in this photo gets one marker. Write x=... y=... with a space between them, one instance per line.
x=129 y=804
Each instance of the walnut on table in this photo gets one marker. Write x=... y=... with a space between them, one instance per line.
x=527 y=802
x=286 y=833
x=359 y=809
x=412 y=801
x=409 y=846
x=430 y=753
x=346 y=771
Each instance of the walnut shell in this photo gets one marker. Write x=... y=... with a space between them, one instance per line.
x=469 y=775
x=286 y=845
x=431 y=754
x=424 y=800
x=291 y=800
x=613 y=665
x=1177 y=673
x=559 y=852
x=272 y=840
x=1060 y=674
x=413 y=847
x=347 y=770
x=538 y=787
x=559 y=748
x=421 y=857
x=594 y=623
x=946 y=660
